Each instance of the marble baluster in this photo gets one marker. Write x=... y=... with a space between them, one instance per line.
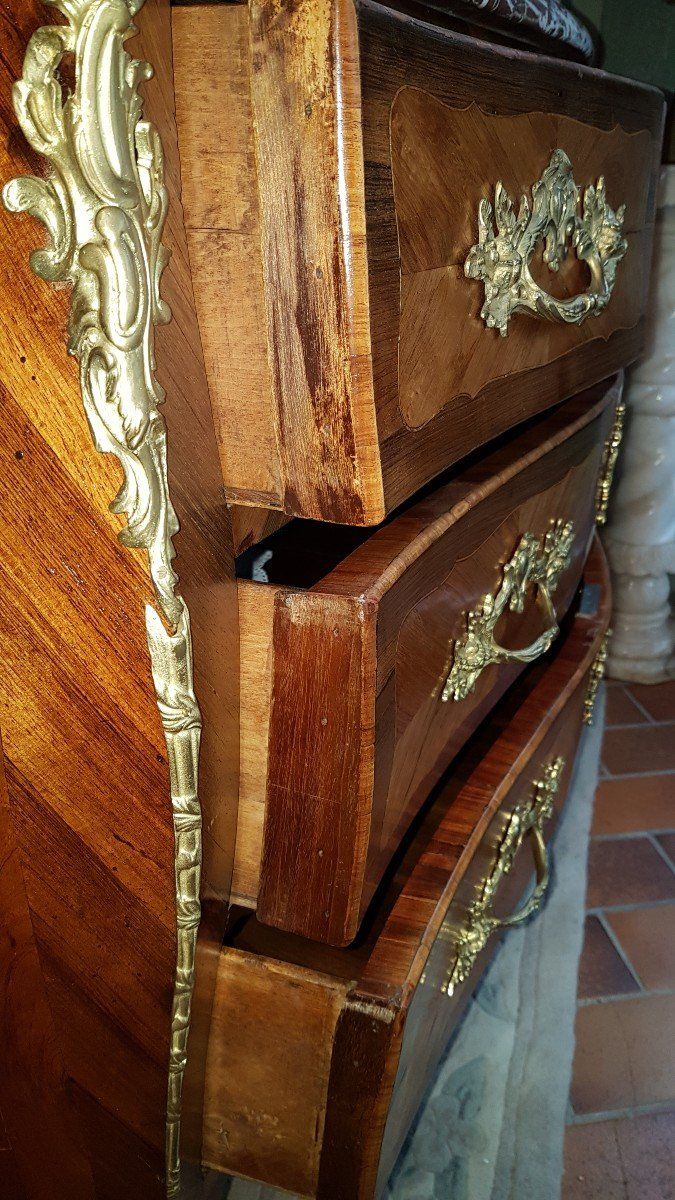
x=640 y=536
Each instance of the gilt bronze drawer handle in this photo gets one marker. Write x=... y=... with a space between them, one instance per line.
x=533 y=562
x=502 y=261
x=528 y=817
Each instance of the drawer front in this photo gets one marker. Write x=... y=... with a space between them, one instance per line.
x=379 y=675
x=351 y=1037
x=363 y=208
x=469 y=262
x=490 y=897
x=474 y=330
x=446 y=659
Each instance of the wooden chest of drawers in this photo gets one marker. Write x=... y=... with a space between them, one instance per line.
x=319 y=1058
x=358 y=690
x=400 y=244
x=339 y=163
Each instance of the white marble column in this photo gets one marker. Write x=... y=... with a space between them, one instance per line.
x=640 y=535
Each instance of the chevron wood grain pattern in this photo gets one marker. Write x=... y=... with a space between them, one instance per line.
x=351 y=1036
x=343 y=729
x=88 y=811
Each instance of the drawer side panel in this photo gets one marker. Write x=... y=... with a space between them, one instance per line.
x=320 y=765
x=306 y=112
x=267 y=1081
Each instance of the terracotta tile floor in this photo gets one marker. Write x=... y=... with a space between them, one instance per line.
x=621 y=1131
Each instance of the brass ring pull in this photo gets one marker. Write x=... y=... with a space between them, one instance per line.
x=502 y=261
x=531 y=563
x=527 y=818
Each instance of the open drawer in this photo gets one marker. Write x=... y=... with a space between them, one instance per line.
x=363 y=677
x=318 y=1057
x=356 y=260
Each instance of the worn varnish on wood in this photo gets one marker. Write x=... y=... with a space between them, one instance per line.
x=343 y=727
x=320 y=1057
x=87 y=888
x=333 y=159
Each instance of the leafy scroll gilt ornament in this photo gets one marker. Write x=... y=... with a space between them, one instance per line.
x=595 y=678
x=501 y=261
x=609 y=457
x=104 y=205
x=528 y=817
x=535 y=561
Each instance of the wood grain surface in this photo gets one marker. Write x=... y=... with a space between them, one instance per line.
x=89 y=809
x=275 y=231
x=215 y=123
x=35 y=1107
x=355 y=665
x=352 y=1036
x=444 y=160
x=285 y=1019
x=334 y=155
x=256 y=617
x=527 y=94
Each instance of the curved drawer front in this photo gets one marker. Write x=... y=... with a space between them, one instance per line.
x=525 y=234
x=505 y=882
x=334 y=1049
x=378 y=674
x=390 y=199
